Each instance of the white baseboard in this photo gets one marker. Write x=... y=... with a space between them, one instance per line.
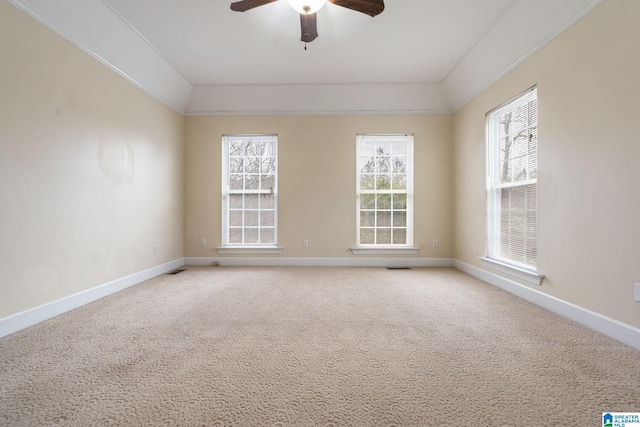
x=612 y=328
x=24 y=319
x=320 y=262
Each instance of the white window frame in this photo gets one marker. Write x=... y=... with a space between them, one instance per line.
x=231 y=248
x=495 y=258
x=387 y=248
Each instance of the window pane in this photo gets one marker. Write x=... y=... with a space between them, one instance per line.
x=251 y=201
x=399 y=236
x=383 y=165
x=266 y=201
x=367 y=201
x=268 y=165
x=253 y=149
x=267 y=235
x=235 y=235
x=235 y=165
x=236 y=148
x=399 y=182
x=399 y=165
x=251 y=236
x=383 y=182
x=384 y=219
x=399 y=148
x=235 y=201
x=383 y=201
x=250 y=218
x=269 y=149
x=235 y=218
x=368 y=148
x=267 y=219
x=383 y=236
x=384 y=147
x=267 y=181
x=235 y=182
x=368 y=219
x=367 y=182
x=252 y=165
x=367 y=236
x=399 y=201
x=252 y=182
x=399 y=219
x=368 y=164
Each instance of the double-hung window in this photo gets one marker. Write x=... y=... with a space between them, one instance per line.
x=512 y=184
x=385 y=190
x=250 y=180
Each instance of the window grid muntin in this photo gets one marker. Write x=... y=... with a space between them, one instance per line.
x=258 y=221
x=507 y=225
x=378 y=157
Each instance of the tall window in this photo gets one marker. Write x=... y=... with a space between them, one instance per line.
x=512 y=144
x=384 y=190
x=250 y=179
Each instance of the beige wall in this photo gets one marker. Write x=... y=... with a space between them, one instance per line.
x=589 y=161
x=317 y=172
x=91 y=170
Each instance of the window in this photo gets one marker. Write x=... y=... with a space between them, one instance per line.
x=250 y=180
x=512 y=164
x=384 y=190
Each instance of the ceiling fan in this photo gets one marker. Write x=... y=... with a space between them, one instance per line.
x=308 y=9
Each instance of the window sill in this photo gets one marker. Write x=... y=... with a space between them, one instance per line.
x=385 y=250
x=521 y=273
x=249 y=250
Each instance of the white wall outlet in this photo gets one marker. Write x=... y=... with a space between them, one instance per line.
x=305 y=243
x=636 y=292
x=475 y=249
x=155 y=248
x=435 y=243
x=203 y=242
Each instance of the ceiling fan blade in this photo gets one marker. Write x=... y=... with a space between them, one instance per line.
x=309 y=27
x=369 y=7
x=244 y=5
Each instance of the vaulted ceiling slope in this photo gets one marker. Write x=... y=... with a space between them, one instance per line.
x=199 y=57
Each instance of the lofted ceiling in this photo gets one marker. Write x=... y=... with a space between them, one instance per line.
x=199 y=57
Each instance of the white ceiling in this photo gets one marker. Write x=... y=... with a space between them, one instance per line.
x=199 y=57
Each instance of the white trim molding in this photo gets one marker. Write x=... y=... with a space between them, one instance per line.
x=319 y=262
x=32 y=316
x=612 y=328
x=520 y=273
x=249 y=250
x=385 y=250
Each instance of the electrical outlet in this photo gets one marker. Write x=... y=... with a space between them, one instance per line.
x=155 y=248
x=636 y=292
x=305 y=243
x=203 y=242
x=435 y=243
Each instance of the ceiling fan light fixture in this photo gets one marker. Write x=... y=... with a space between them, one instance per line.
x=307 y=7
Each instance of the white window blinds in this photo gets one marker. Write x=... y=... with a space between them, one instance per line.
x=512 y=146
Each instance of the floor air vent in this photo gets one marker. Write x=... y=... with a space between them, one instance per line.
x=176 y=271
x=398 y=268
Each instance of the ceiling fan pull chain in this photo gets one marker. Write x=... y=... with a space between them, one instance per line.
x=305 y=45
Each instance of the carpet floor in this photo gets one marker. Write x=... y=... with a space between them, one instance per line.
x=226 y=346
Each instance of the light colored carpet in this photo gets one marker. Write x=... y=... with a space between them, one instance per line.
x=219 y=346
